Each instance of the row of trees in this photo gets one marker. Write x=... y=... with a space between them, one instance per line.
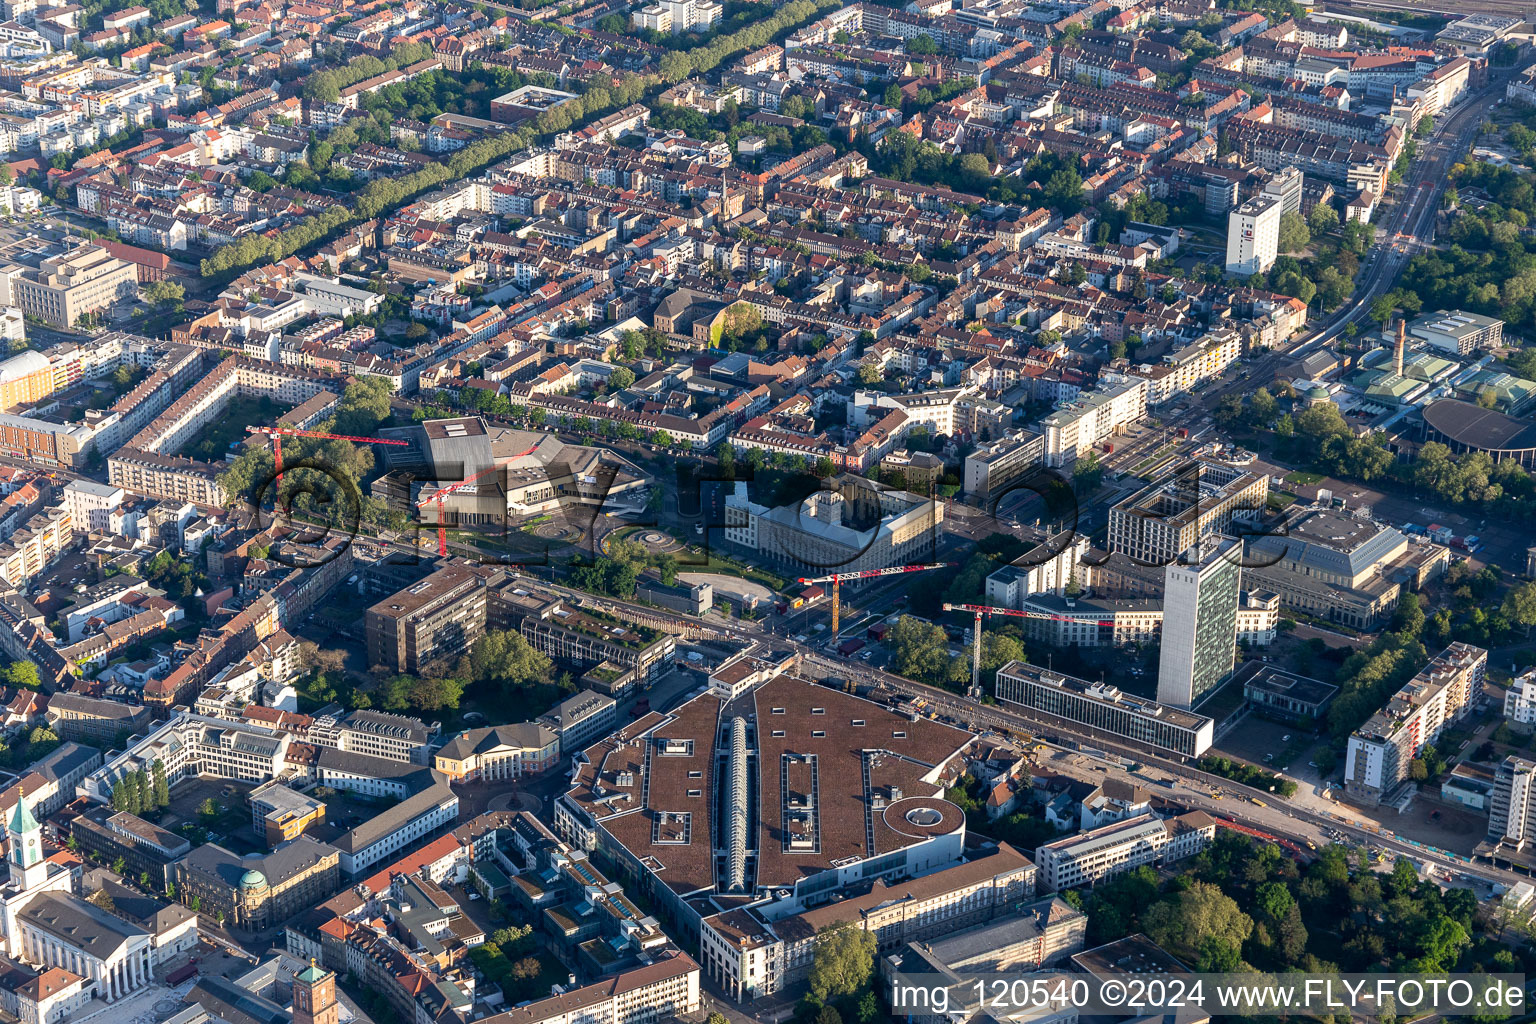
x=1373 y=673
x=325 y=86
x=1320 y=434
x=384 y=194
x=378 y=196
x=141 y=792
x=1247 y=774
x=675 y=67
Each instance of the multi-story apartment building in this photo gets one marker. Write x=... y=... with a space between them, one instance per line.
x=750 y=953
x=1094 y=415
x=1380 y=751
x=147 y=463
x=64 y=288
x=1090 y=857
x=94 y=720
x=1286 y=186
x=90 y=504
x=1442 y=87
x=1103 y=709
x=1048 y=568
x=1203 y=359
x=166 y=476
x=434 y=619
x=35 y=545
x=1253 y=236
x=993 y=465
x=1520 y=699
x=143 y=846
x=1163 y=520
x=1512 y=810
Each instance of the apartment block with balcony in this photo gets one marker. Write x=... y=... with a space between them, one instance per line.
x=1380 y=753
x=1163 y=520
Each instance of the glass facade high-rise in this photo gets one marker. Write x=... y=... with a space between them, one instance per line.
x=1199 y=623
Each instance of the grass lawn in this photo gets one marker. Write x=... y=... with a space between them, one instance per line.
x=1302 y=478
x=688 y=562
x=213 y=442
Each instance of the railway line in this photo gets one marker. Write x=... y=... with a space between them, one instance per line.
x=1284 y=822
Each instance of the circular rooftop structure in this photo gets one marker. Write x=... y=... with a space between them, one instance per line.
x=923 y=816
x=253 y=879
x=1464 y=427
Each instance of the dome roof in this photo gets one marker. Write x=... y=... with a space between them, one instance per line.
x=253 y=879
x=1317 y=393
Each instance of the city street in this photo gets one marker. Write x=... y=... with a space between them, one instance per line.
x=1301 y=818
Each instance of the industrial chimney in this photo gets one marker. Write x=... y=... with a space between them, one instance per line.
x=1397 y=351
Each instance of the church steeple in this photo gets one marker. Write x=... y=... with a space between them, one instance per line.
x=26 y=847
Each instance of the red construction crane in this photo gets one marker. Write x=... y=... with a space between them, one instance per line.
x=442 y=533
x=276 y=434
x=836 y=579
x=985 y=609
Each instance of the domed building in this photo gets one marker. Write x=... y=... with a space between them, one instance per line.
x=262 y=889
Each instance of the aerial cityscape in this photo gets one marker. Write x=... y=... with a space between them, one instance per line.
x=751 y=512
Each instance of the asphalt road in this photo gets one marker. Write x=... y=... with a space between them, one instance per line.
x=1291 y=819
